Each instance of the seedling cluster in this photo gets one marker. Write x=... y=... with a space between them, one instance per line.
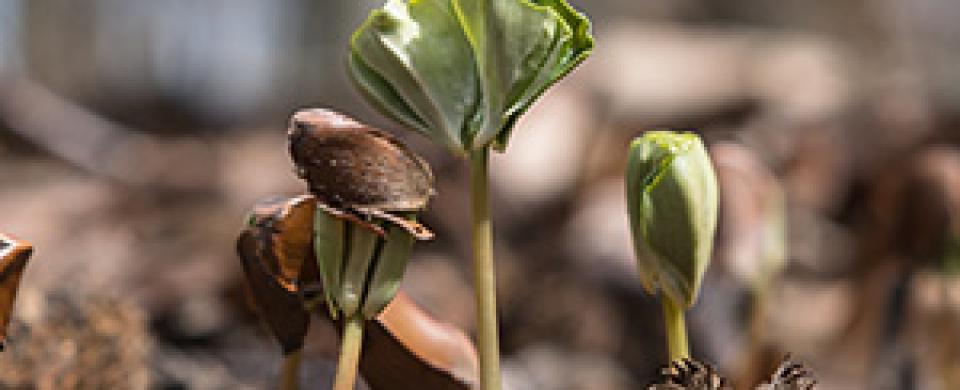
x=460 y=72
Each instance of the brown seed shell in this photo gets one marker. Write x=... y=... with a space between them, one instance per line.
x=350 y=165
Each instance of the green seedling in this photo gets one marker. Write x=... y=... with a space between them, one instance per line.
x=368 y=187
x=462 y=72
x=672 y=206
x=406 y=348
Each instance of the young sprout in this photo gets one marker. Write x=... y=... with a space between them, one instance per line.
x=672 y=205
x=368 y=188
x=405 y=347
x=462 y=72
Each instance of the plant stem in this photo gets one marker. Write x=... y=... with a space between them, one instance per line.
x=483 y=270
x=676 y=326
x=349 y=353
x=290 y=371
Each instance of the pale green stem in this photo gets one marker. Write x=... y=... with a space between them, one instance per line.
x=349 y=353
x=483 y=270
x=290 y=371
x=676 y=326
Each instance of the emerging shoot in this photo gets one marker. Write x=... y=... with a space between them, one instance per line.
x=368 y=187
x=672 y=205
x=462 y=72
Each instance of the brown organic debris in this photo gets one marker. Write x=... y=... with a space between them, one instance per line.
x=13 y=260
x=689 y=374
x=64 y=341
x=275 y=250
x=790 y=376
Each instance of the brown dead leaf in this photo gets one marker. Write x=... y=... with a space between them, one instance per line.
x=790 y=375
x=275 y=250
x=13 y=260
x=689 y=374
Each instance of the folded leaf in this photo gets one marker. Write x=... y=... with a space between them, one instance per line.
x=522 y=48
x=414 y=59
x=463 y=71
x=672 y=203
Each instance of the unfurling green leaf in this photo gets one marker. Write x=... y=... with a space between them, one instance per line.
x=672 y=202
x=463 y=71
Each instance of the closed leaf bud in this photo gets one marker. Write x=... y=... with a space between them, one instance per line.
x=672 y=205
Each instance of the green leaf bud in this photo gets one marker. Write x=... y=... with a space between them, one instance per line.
x=672 y=206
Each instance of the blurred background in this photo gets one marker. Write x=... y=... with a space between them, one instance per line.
x=135 y=135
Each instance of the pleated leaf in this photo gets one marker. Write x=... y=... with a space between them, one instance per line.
x=414 y=62
x=464 y=71
x=522 y=48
